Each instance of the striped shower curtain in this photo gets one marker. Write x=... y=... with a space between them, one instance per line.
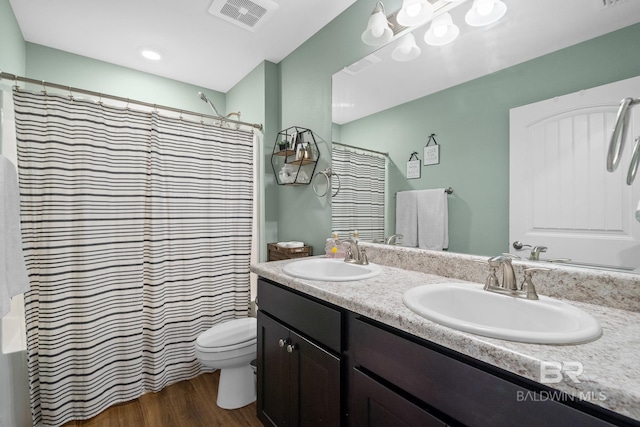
x=137 y=236
x=359 y=204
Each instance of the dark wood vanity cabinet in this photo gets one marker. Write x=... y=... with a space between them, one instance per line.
x=299 y=361
x=421 y=376
x=345 y=369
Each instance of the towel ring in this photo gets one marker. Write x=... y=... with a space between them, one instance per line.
x=327 y=173
x=635 y=159
x=618 y=135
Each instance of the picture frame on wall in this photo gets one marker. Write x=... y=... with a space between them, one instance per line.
x=413 y=166
x=431 y=152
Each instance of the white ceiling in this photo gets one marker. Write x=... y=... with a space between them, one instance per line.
x=197 y=47
x=207 y=51
x=529 y=29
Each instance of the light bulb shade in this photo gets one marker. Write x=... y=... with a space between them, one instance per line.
x=378 y=32
x=442 y=31
x=406 y=49
x=485 y=12
x=414 y=12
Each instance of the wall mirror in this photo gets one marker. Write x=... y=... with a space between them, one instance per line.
x=463 y=92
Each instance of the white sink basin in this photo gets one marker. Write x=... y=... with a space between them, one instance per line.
x=469 y=308
x=330 y=270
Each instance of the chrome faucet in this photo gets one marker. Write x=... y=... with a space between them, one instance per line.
x=508 y=274
x=393 y=238
x=509 y=286
x=535 y=252
x=355 y=254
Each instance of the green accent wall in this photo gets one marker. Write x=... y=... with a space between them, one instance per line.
x=257 y=97
x=306 y=102
x=471 y=122
x=57 y=66
x=12 y=46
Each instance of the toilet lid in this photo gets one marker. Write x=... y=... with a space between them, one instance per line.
x=233 y=333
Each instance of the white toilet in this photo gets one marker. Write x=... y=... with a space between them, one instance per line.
x=230 y=347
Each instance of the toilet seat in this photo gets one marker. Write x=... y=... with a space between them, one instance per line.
x=228 y=336
x=230 y=346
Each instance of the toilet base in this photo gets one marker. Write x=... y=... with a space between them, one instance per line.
x=237 y=387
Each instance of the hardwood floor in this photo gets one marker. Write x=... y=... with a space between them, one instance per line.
x=189 y=403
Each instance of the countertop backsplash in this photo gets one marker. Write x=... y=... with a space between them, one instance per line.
x=599 y=287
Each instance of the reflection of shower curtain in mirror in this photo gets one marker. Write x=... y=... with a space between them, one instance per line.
x=137 y=234
x=359 y=205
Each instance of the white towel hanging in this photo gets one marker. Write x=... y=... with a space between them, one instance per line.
x=433 y=219
x=13 y=273
x=422 y=217
x=407 y=217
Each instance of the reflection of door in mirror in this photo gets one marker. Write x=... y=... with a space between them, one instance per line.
x=561 y=195
x=360 y=202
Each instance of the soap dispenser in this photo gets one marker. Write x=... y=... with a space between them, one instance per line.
x=330 y=247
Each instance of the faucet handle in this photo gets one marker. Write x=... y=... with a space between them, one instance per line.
x=491 y=281
x=527 y=285
x=363 y=257
x=348 y=256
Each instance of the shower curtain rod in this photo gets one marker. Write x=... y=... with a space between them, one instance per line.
x=363 y=149
x=13 y=77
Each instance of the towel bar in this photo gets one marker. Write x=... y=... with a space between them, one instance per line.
x=448 y=190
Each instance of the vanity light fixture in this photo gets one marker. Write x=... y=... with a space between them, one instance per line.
x=414 y=12
x=406 y=49
x=442 y=31
x=382 y=29
x=485 y=12
x=378 y=32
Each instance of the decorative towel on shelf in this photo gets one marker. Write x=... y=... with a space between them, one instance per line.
x=422 y=217
x=433 y=219
x=407 y=217
x=13 y=272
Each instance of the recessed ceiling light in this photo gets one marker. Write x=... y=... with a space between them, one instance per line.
x=150 y=54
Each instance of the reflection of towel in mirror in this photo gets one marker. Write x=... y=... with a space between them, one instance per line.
x=13 y=273
x=407 y=217
x=433 y=219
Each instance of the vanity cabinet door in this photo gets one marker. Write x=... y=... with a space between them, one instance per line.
x=375 y=405
x=315 y=384
x=298 y=381
x=273 y=373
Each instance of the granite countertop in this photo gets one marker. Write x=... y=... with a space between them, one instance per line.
x=610 y=379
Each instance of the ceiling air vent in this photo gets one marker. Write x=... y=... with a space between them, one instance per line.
x=247 y=14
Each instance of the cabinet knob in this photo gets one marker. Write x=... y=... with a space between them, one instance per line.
x=291 y=347
x=282 y=342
